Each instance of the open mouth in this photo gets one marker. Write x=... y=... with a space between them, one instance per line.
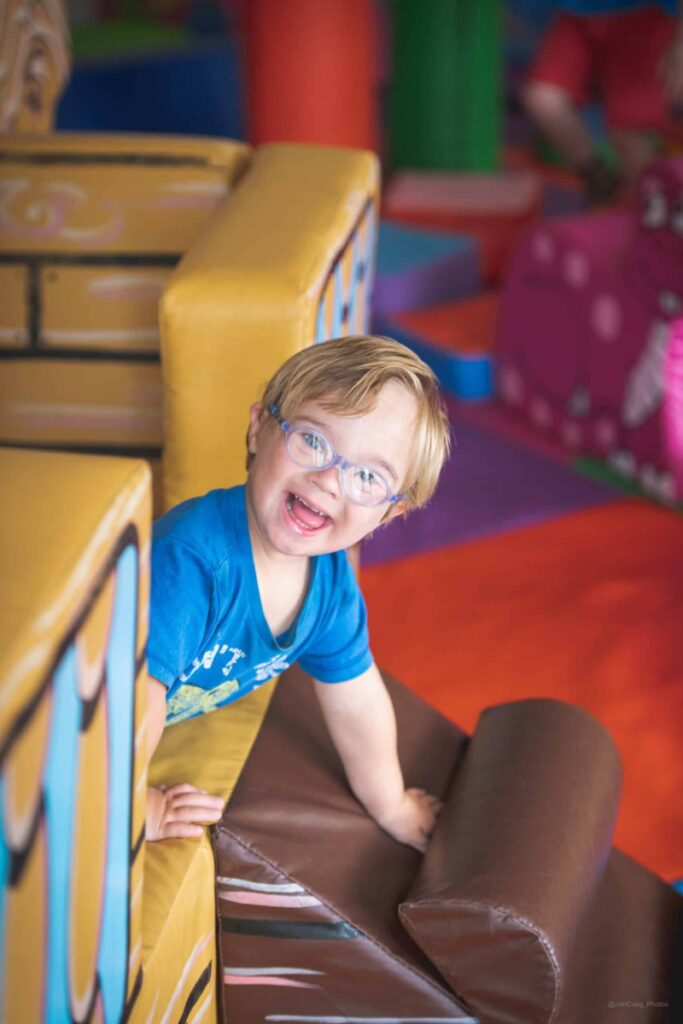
x=305 y=516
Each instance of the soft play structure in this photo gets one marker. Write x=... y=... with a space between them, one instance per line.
x=446 y=96
x=310 y=72
x=519 y=913
x=96 y=925
x=584 y=326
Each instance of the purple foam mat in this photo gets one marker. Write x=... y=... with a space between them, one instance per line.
x=489 y=485
x=417 y=267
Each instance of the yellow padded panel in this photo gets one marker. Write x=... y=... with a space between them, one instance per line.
x=178 y=941
x=92 y=228
x=80 y=402
x=249 y=294
x=209 y=751
x=116 y=194
x=74 y=546
x=60 y=513
x=179 y=962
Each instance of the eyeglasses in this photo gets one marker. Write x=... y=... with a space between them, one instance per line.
x=312 y=451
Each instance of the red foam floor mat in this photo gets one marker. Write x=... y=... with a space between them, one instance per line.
x=586 y=608
x=464 y=326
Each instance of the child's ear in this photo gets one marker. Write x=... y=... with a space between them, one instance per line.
x=397 y=509
x=256 y=419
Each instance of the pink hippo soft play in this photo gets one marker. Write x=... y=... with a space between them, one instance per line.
x=584 y=327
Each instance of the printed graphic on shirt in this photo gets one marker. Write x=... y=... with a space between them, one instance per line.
x=208 y=657
x=189 y=700
x=201 y=694
x=266 y=670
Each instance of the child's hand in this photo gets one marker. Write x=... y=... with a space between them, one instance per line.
x=412 y=821
x=178 y=812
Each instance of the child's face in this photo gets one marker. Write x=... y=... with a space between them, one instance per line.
x=283 y=498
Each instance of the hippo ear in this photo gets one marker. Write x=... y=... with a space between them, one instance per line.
x=654 y=211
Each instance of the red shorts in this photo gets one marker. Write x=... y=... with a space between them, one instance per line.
x=612 y=57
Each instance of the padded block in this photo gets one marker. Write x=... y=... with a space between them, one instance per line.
x=456 y=339
x=494 y=208
x=80 y=286
x=179 y=958
x=310 y=72
x=584 y=327
x=308 y=885
x=420 y=268
x=74 y=547
x=514 y=859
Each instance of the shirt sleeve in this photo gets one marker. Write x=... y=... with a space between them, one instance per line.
x=180 y=609
x=341 y=650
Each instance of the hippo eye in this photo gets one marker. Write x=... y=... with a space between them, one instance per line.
x=654 y=208
x=677 y=216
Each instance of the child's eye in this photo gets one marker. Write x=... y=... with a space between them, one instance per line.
x=365 y=476
x=314 y=441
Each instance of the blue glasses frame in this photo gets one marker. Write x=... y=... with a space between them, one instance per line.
x=337 y=460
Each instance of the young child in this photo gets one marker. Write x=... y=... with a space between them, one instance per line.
x=248 y=580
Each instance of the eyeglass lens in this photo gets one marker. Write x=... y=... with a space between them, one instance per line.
x=312 y=450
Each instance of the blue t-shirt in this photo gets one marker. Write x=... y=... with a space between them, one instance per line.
x=209 y=641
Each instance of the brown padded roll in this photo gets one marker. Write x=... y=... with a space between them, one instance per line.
x=518 y=850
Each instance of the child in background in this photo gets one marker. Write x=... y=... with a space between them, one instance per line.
x=248 y=580
x=630 y=54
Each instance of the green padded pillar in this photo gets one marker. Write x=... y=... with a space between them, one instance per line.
x=446 y=84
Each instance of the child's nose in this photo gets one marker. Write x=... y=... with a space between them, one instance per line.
x=329 y=480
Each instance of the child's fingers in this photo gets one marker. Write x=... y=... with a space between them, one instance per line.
x=182 y=787
x=197 y=810
x=198 y=796
x=180 y=830
x=199 y=803
x=194 y=812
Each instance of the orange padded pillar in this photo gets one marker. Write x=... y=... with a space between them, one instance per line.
x=311 y=72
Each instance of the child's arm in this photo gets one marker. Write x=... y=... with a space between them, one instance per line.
x=176 y=812
x=361 y=720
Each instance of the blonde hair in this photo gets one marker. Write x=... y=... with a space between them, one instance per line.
x=345 y=376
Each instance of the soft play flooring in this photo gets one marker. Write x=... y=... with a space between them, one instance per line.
x=525 y=578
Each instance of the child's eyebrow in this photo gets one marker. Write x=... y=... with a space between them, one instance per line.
x=374 y=460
